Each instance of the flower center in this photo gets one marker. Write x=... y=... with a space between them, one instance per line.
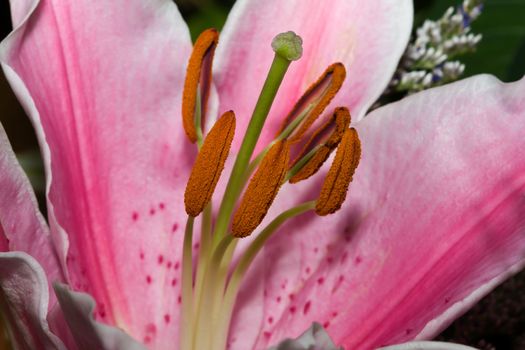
x=304 y=142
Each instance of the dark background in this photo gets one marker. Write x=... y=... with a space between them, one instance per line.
x=498 y=321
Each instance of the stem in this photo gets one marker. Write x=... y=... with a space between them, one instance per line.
x=223 y=322
x=237 y=178
x=186 y=326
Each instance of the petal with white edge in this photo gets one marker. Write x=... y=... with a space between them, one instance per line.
x=22 y=227
x=24 y=298
x=78 y=310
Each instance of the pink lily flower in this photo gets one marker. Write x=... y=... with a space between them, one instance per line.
x=434 y=219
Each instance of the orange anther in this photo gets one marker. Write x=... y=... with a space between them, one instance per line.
x=209 y=164
x=327 y=137
x=335 y=186
x=320 y=94
x=262 y=190
x=198 y=72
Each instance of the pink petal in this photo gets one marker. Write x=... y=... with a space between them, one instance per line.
x=368 y=37
x=24 y=288
x=104 y=84
x=22 y=227
x=78 y=309
x=435 y=217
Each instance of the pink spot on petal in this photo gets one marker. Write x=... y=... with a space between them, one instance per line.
x=174 y=282
x=149 y=279
x=168 y=264
x=326 y=324
x=306 y=307
x=160 y=259
x=267 y=335
x=162 y=206
x=174 y=227
x=320 y=280
x=167 y=318
x=135 y=216
x=270 y=320
x=358 y=260
x=292 y=309
x=152 y=212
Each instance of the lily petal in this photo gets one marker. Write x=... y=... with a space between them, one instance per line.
x=78 y=309
x=24 y=294
x=22 y=227
x=428 y=345
x=435 y=215
x=103 y=84
x=315 y=337
x=367 y=37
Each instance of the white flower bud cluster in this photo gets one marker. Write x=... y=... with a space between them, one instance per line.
x=430 y=59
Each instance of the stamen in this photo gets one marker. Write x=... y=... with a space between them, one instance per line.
x=326 y=139
x=335 y=186
x=317 y=97
x=262 y=190
x=209 y=164
x=198 y=73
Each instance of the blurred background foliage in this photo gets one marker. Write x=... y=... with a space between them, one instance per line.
x=498 y=322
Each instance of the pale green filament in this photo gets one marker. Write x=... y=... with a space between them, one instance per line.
x=223 y=322
x=205 y=318
x=198 y=119
x=187 y=290
x=205 y=252
x=301 y=163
